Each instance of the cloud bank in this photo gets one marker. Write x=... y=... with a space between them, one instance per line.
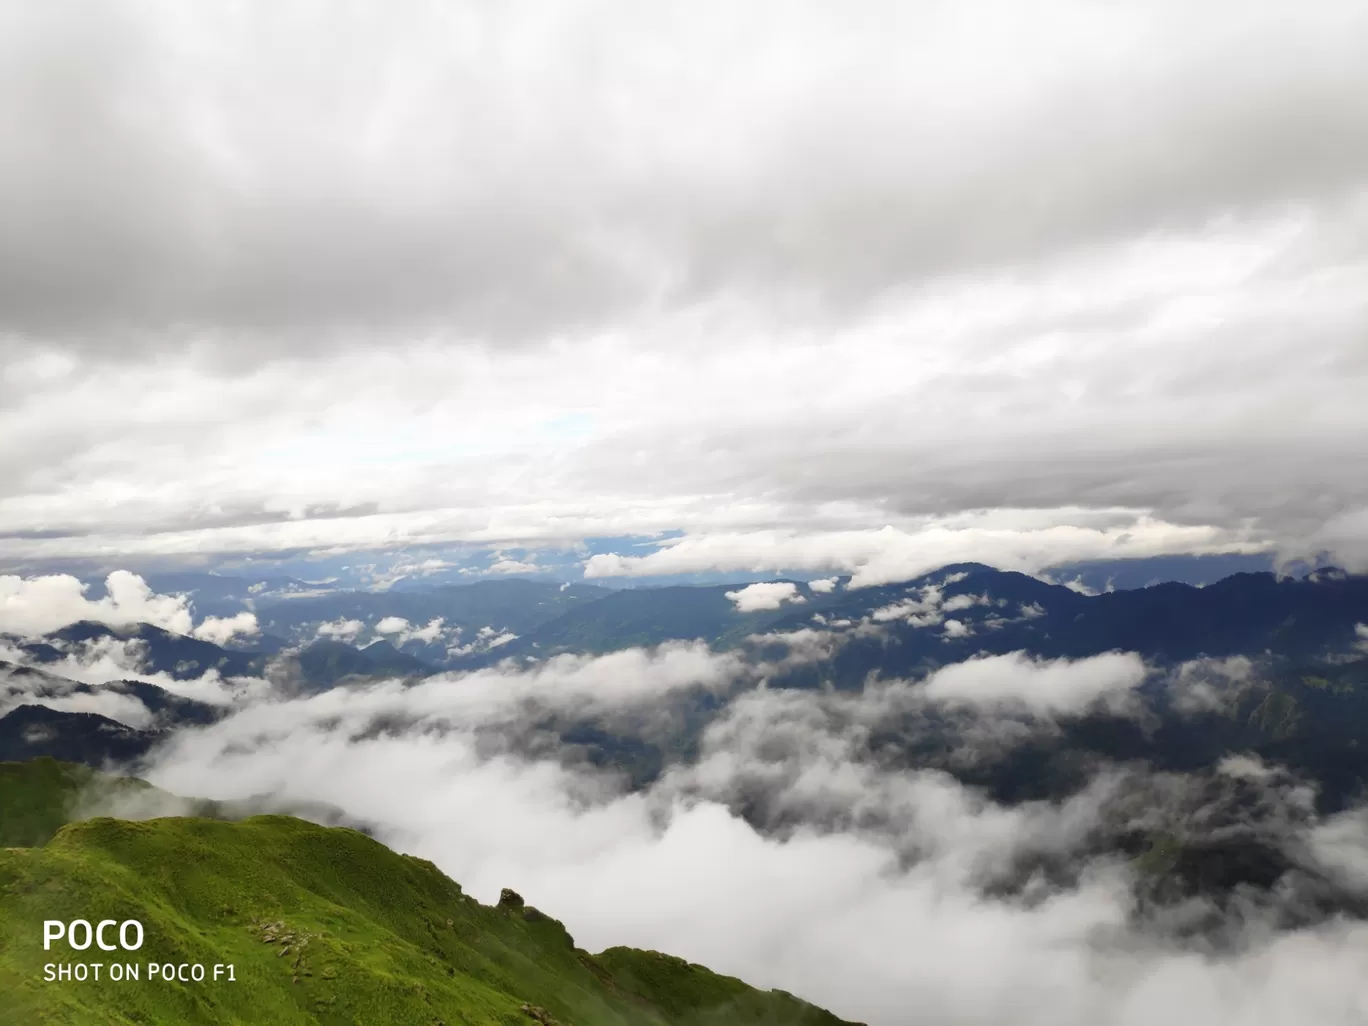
x=796 y=856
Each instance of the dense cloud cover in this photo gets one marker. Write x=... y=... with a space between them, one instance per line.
x=860 y=290
x=788 y=853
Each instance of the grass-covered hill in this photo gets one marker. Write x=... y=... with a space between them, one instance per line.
x=320 y=924
x=39 y=797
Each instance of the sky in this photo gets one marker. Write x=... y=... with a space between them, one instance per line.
x=863 y=288
x=643 y=290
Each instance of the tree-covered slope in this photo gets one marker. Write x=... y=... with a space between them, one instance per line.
x=321 y=925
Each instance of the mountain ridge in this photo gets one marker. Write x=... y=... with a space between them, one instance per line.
x=326 y=925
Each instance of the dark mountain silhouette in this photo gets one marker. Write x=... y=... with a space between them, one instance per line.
x=181 y=657
x=325 y=663
x=646 y=616
x=1247 y=614
x=30 y=731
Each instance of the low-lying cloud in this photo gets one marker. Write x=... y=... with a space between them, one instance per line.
x=341 y=629
x=222 y=629
x=23 y=685
x=1055 y=687
x=790 y=851
x=764 y=595
x=98 y=661
x=404 y=632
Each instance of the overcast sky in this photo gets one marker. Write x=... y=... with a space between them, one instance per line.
x=860 y=287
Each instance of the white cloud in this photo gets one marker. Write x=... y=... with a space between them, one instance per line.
x=33 y=606
x=569 y=683
x=955 y=603
x=430 y=633
x=805 y=645
x=513 y=566
x=342 y=629
x=1246 y=767
x=1049 y=687
x=911 y=611
x=36 y=605
x=222 y=629
x=765 y=595
x=1341 y=845
x=1209 y=685
x=107 y=659
x=1077 y=585
x=1361 y=634
x=824 y=585
x=892 y=554
x=21 y=685
x=112 y=705
x=925 y=610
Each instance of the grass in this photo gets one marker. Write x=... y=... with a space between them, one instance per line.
x=322 y=925
x=1278 y=715
x=1162 y=856
x=698 y=996
x=38 y=797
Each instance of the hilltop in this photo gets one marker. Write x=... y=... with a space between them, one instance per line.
x=321 y=924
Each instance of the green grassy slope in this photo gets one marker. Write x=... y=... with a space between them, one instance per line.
x=321 y=925
x=39 y=796
x=697 y=996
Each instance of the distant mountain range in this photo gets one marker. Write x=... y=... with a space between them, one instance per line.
x=1304 y=706
x=162 y=651
x=993 y=612
x=938 y=618
x=463 y=626
x=220 y=588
